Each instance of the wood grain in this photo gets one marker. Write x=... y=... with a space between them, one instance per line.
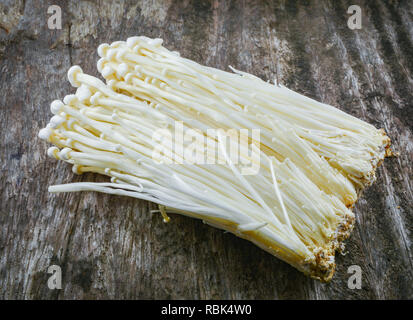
x=112 y=247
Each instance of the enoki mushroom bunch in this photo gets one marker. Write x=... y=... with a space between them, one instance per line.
x=310 y=160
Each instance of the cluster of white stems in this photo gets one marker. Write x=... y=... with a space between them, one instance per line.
x=313 y=158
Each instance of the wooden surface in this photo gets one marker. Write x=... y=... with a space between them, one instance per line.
x=112 y=247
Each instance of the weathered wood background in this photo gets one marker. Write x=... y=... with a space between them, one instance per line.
x=112 y=247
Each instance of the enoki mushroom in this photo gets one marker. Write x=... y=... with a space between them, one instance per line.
x=307 y=166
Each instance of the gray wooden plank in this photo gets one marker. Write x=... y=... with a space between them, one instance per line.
x=112 y=247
